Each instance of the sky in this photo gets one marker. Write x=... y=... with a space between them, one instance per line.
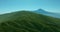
x=7 y=6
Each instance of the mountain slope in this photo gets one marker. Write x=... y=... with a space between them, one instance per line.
x=25 y=21
x=41 y=11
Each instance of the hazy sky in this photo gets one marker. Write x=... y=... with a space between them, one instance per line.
x=16 y=5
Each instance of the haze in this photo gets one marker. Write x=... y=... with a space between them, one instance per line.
x=7 y=6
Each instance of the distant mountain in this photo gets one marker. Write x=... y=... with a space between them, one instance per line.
x=27 y=21
x=41 y=11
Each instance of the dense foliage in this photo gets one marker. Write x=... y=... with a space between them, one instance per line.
x=25 y=21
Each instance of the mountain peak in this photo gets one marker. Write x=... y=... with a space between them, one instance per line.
x=41 y=10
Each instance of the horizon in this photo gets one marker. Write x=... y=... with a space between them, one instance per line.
x=7 y=6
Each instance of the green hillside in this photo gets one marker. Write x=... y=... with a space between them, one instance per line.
x=25 y=21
